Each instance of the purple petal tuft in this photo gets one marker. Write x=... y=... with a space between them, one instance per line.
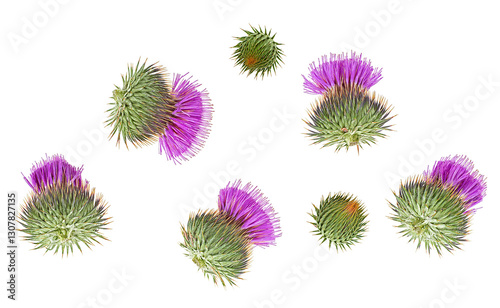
x=458 y=172
x=340 y=70
x=185 y=135
x=248 y=206
x=51 y=170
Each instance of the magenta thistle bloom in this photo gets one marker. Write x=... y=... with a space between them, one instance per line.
x=340 y=70
x=52 y=170
x=189 y=125
x=458 y=173
x=62 y=212
x=249 y=207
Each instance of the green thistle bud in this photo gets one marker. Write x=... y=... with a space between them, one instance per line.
x=257 y=52
x=217 y=245
x=62 y=216
x=431 y=214
x=346 y=117
x=340 y=219
x=142 y=107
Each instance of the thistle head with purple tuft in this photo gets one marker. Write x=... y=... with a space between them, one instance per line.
x=62 y=212
x=148 y=107
x=347 y=114
x=435 y=209
x=220 y=242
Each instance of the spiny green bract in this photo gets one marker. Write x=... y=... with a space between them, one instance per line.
x=340 y=219
x=431 y=214
x=217 y=245
x=346 y=117
x=63 y=216
x=143 y=105
x=257 y=52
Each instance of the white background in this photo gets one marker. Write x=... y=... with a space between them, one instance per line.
x=55 y=86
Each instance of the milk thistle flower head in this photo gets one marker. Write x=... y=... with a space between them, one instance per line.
x=62 y=212
x=147 y=108
x=347 y=114
x=340 y=219
x=257 y=52
x=252 y=210
x=220 y=242
x=340 y=70
x=435 y=209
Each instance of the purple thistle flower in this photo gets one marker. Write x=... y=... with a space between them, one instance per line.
x=51 y=170
x=458 y=172
x=249 y=207
x=189 y=127
x=340 y=70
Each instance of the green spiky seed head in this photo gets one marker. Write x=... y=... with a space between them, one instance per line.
x=430 y=214
x=142 y=106
x=347 y=117
x=257 y=52
x=339 y=219
x=64 y=216
x=217 y=245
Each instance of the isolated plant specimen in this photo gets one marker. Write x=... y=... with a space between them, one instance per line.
x=435 y=209
x=257 y=52
x=148 y=108
x=220 y=241
x=62 y=211
x=347 y=114
x=339 y=219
